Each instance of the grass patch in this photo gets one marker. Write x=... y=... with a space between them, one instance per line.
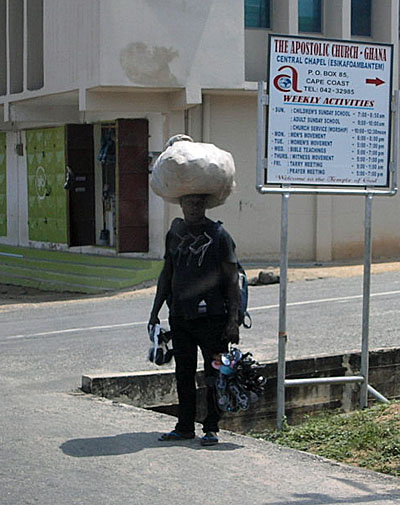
x=369 y=438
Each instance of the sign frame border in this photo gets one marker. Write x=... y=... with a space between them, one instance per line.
x=390 y=152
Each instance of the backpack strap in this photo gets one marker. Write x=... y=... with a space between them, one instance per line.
x=176 y=223
x=244 y=316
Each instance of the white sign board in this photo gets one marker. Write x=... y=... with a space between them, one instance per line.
x=329 y=112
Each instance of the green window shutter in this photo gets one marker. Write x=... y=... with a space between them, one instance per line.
x=310 y=14
x=361 y=17
x=257 y=14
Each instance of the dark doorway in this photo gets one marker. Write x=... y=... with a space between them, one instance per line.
x=81 y=202
x=132 y=185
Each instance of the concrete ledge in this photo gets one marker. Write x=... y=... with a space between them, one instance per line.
x=142 y=389
x=157 y=390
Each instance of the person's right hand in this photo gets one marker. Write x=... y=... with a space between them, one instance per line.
x=152 y=322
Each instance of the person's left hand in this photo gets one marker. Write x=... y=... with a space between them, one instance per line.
x=231 y=332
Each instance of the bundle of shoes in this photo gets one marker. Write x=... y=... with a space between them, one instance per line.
x=159 y=353
x=239 y=382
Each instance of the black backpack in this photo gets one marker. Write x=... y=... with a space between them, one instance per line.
x=244 y=317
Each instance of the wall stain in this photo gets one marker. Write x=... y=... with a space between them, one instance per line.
x=148 y=65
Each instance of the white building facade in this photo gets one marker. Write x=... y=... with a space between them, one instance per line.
x=90 y=90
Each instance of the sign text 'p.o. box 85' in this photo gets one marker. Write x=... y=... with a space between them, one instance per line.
x=329 y=112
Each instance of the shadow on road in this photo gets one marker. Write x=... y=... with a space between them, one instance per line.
x=128 y=443
x=326 y=499
x=368 y=496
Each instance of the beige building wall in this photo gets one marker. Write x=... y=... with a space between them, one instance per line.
x=106 y=60
x=180 y=43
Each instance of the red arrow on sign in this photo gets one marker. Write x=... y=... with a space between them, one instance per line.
x=375 y=81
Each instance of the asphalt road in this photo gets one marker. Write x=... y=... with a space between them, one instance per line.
x=58 y=446
x=109 y=334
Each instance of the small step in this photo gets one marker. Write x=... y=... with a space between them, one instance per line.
x=72 y=272
x=77 y=268
x=49 y=285
x=96 y=281
x=71 y=257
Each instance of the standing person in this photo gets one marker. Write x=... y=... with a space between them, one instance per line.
x=199 y=282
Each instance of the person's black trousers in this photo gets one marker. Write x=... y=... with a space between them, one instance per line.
x=204 y=332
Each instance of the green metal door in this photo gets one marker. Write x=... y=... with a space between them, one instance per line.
x=47 y=201
x=3 y=184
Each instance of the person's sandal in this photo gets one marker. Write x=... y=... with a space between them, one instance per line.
x=176 y=435
x=210 y=438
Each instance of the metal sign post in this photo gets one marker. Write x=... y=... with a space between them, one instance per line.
x=282 y=336
x=321 y=143
x=364 y=369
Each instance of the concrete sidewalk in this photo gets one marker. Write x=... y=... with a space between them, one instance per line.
x=91 y=451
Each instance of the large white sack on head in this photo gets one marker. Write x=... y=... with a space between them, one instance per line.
x=186 y=168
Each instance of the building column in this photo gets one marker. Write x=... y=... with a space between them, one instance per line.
x=12 y=190
x=157 y=207
x=23 y=232
x=17 y=193
x=285 y=14
x=385 y=29
x=385 y=20
x=337 y=19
